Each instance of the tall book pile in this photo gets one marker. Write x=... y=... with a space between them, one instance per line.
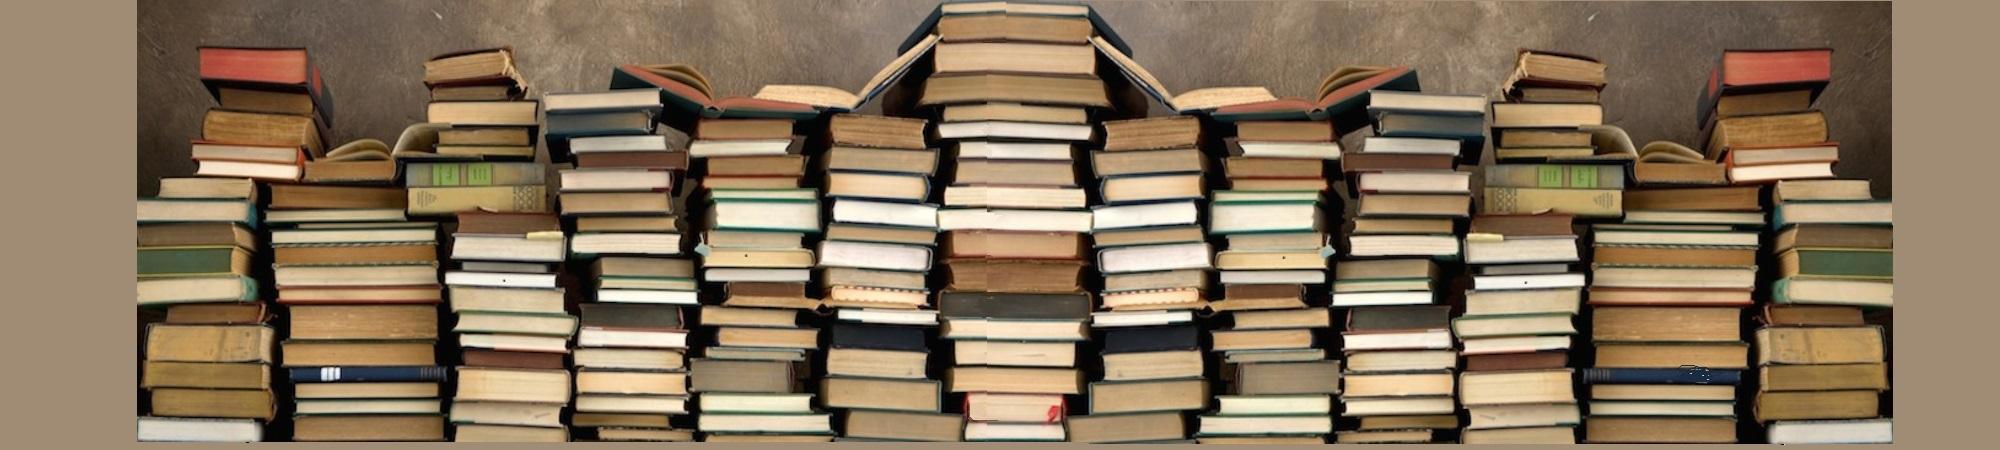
x=1015 y=87
x=1821 y=354
x=1155 y=262
x=621 y=194
x=479 y=111
x=1757 y=114
x=513 y=326
x=1411 y=201
x=360 y=290
x=209 y=357
x=1275 y=225
x=1517 y=326
x=206 y=351
x=750 y=382
x=874 y=264
x=1668 y=286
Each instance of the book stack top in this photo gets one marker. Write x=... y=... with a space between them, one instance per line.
x=476 y=149
x=1758 y=118
x=1553 y=149
x=272 y=113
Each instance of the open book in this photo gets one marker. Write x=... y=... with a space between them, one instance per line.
x=1342 y=93
x=687 y=94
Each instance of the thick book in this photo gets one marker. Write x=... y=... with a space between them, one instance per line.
x=1015 y=306
x=1740 y=72
x=291 y=70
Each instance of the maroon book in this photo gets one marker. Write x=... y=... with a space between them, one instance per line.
x=1517 y=361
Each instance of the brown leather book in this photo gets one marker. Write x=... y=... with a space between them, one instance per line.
x=307 y=196
x=1517 y=361
x=769 y=295
x=1773 y=314
x=405 y=253
x=1012 y=245
x=1514 y=225
x=1152 y=133
x=217 y=314
x=877 y=131
x=725 y=129
x=1029 y=276
x=518 y=360
x=507 y=223
x=1735 y=198
x=1241 y=167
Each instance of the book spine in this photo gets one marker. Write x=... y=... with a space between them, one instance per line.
x=1580 y=202
x=474 y=174
x=1556 y=176
x=367 y=374
x=449 y=200
x=1684 y=375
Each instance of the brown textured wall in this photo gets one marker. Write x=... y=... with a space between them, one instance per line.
x=372 y=52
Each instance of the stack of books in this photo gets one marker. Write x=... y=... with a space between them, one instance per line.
x=1409 y=204
x=750 y=380
x=622 y=194
x=1015 y=360
x=1821 y=354
x=1554 y=151
x=877 y=374
x=1757 y=114
x=479 y=111
x=1667 y=291
x=1517 y=327
x=513 y=328
x=361 y=293
x=1016 y=87
x=272 y=113
x=883 y=230
x=207 y=353
x=1155 y=262
x=874 y=264
x=1399 y=379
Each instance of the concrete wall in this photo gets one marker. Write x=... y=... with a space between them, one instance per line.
x=372 y=52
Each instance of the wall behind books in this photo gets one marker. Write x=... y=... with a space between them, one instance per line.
x=372 y=52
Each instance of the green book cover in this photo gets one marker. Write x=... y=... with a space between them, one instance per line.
x=184 y=261
x=1842 y=263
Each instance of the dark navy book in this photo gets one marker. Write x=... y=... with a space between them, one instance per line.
x=367 y=374
x=1682 y=375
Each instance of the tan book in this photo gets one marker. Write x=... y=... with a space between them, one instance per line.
x=1010 y=27
x=903 y=426
x=732 y=129
x=921 y=162
x=158 y=374
x=631 y=383
x=1152 y=365
x=1666 y=355
x=1516 y=387
x=1149 y=397
x=337 y=322
x=1152 y=133
x=1146 y=427
x=1673 y=324
x=231 y=188
x=357 y=428
x=1397 y=384
x=1314 y=377
x=1015 y=380
x=1817 y=405
x=1010 y=57
x=881 y=394
x=245 y=127
x=503 y=113
x=1234 y=340
x=1014 y=173
x=1303 y=131
x=209 y=343
x=719 y=375
x=1014 y=112
x=215 y=403
x=877 y=131
x=307 y=353
x=804 y=338
x=864 y=362
x=1819 y=345
x=1823 y=377
x=1766 y=130
x=512 y=385
x=1653 y=430
x=1015 y=88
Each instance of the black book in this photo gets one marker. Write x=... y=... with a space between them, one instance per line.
x=1015 y=306
x=876 y=337
x=1399 y=318
x=367 y=374
x=561 y=127
x=1682 y=375
x=631 y=316
x=1152 y=339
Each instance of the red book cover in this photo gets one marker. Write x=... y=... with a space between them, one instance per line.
x=273 y=69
